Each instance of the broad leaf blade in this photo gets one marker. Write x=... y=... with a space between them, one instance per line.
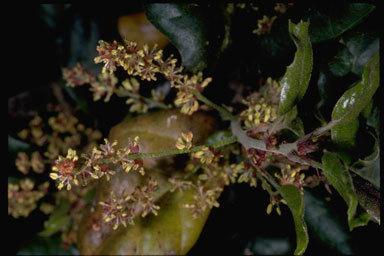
x=353 y=101
x=358 y=50
x=296 y=79
x=295 y=202
x=182 y=25
x=337 y=174
x=337 y=20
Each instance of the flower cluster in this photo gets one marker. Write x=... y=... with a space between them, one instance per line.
x=62 y=132
x=77 y=76
x=146 y=63
x=204 y=199
x=185 y=141
x=102 y=161
x=282 y=8
x=275 y=202
x=264 y=25
x=179 y=184
x=246 y=173
x=22 y=197
x=292 y=176
x=123 y=209
x=206 y=155
x=259 y=113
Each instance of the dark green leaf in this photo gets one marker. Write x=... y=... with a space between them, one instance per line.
x=369 y=167
x=353 y=101
x=296 y=79
x=295 y=202
x=345 y=135
x=58 y=220
x=15 y=145
x=327 y=227
x=46 y=246
x=358 y=50
x=337 y=20
x=337 y=174
x=186 y=26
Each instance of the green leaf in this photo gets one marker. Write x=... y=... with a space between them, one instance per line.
x=333 y=23
x=295 y=202
x=353 y=101
x=358 y=50
x=345 y=135
x=46 y=246
x=218 y=136
x=296 y=79
x=15 y=145
x=337 y=174
x=325 y=224
x=186 y=26
x=369 y=167
x=58 y=220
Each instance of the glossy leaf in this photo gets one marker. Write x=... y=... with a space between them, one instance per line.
x=296 y=79
x=358 y=50
x=337 y=174
x=181 y=23
x=173 y=231
x=353 y=101
x=295 y=202
x=333 y=23
x=345 y=135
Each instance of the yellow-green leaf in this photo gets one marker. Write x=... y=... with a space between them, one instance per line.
x=295 y=202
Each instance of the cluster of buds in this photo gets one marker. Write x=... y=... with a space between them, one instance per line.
x=275 y=202
x=185 y=141
x=77 y=76
x=247 y=173
x=206 y=155
x=282 y=8
x=23 y=163
x=64 y=132
x=204 y=199
x=179 y=184
x=292 y=176
x=22 y=198
x=264 y=25
x=259 y=114
x=133 y=86
x=122 y=210
x=100 y=162
x=35 y=134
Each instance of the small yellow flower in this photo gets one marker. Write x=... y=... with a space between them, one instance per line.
x=185 y=141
